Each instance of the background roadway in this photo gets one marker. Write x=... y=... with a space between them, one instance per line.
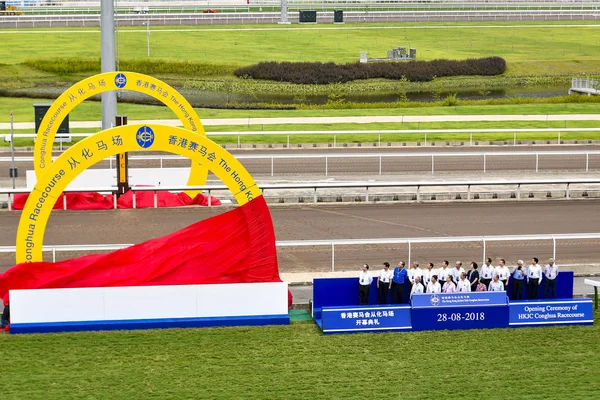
x=370 y=166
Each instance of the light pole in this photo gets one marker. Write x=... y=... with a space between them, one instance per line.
x=148 y=30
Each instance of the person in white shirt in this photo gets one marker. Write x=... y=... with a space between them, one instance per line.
x=384 y=282
x=413 y=273
x=434 y=286
x=457 y=271
x=443 y=272
x=487 y=272
x=428 y=273
x=417 y=287
x=534 y=278
x=463 y=284
x=503 y=272
x=496 y=285
x=550 y=273
x=364 y=280
x=449 y=286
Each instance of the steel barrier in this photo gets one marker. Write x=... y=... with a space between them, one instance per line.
x=517 y=183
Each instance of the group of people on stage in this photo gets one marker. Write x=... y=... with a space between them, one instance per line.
x=455 y=279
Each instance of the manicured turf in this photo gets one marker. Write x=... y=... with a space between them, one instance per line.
x=529 y=50
x=298 y=362
x=91 y=111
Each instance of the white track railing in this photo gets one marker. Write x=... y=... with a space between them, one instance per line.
x=331 y=244
x=517 y=183
x=376 y=133
x=377 y=156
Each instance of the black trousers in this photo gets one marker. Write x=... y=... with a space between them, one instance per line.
x=518 y=289
x=486 y=282
x=363 y=294
x=397 y=293
x=505 y=282
x=384 y=288
x=533 y=287
x=5 y=319
x=550 y=285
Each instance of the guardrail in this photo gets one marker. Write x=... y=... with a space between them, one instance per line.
x=324 y=185
x=377 y=134
x=357 y=242
x=379 y=156
x=187 y=19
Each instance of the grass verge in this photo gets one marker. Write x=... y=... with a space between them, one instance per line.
x=299 y=362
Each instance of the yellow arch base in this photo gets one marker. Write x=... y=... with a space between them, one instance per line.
x=105 y=82
x=199 y=149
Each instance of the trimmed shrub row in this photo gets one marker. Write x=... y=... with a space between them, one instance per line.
x=415 y=71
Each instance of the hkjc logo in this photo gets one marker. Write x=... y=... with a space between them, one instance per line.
x=120 y=81
x=145 y=137
x=435 y=300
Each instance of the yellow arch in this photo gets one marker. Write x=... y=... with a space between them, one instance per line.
x=104 y=82
x=76 y=159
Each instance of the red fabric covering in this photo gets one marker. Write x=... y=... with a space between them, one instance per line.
x=97 y=201
x=235 y=247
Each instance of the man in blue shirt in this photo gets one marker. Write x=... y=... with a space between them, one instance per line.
x=400 y=277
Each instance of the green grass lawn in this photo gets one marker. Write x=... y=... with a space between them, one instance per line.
x=529 y=49
x=298 y=362
x=91 y=111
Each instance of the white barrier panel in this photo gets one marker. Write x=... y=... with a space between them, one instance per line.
x=139 y=307
x=98 y=177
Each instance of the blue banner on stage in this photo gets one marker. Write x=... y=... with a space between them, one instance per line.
x=365 y=319
x=470 y=310
x=551 y=312
x=462 y=299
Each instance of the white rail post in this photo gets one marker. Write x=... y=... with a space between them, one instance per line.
x=209 y=199
x=519 y=191
x=326 y=166
x=558 y=137
x=9 y=202
x=515 y=139
x=418 y=194
x=271 y=166
x=380 y=167
x=379 y=139
x=161 y=163
x=332 y=257
x=484 y=162
x=64 y=201
x=115 y=200
x=155 y=199
x=334 y=140
x=239 y=142
x=587 y=162
x=366 y=193
x=432 y=170
x=315 y=196
x=484 y=250
x=288 y=141
x=53 y=254
x=110 y=163
x=468 y=192
x=134 y=199
x=537 y=161
x=425 y=139
x=568 y=192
